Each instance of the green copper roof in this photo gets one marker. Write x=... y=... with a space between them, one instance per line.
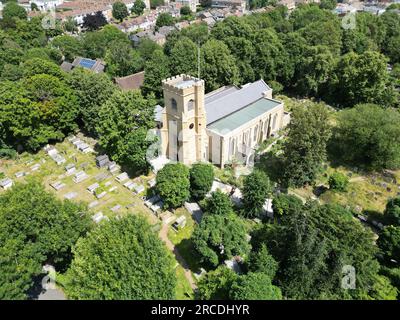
x=242 y=116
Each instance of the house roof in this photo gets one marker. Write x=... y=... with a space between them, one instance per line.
x=244 y=115
x=66 y=66
x=131 y=82
x=221 y=103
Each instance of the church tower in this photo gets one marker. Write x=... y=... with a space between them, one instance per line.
x=183 y=134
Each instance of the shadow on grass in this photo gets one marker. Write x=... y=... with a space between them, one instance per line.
x=188 y=252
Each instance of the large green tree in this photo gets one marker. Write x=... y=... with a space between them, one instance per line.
x=156 y=69
x=201 y=180
x=220 y=237
x=92 y=90
x=368 y=136
x=122 y=60
x=122 y=259
x=36 y=110
x=305 y=147
x=362 y=78
x=172 y=183
x=255 y=286
x=35 y=228
x=119 y=10
x=256 y=188
x=218 y=65
x=123 y=123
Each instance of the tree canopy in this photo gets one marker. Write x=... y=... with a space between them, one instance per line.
x=35 y=228
x=122 y=259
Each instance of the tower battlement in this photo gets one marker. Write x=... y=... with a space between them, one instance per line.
x=181 y=83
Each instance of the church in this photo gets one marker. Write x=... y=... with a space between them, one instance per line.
x=222 y=126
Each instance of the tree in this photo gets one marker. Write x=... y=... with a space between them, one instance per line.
x=96 y=43
x=155 y=70
x=328 y=4
x=186 y=11
x=201 y=180
x=216 y=284
x=262 y=261
x=123 y=122
x=313 y=244
x=184 y=57
x=92 y=90
x=305 y=147
x=156 y=3
x=70 y=47
x=122 y=259
x=36 y=110
x=218 y=66
x=138 y=7
x=392 y=211
x=164 y=19
x=119 y=11
x=382 y=289
x=35 y=66
x=255 y=286
x=338 y=181
x=220 y=237
x=94 y=21
x=36 y=228
x=314 y=70
x=218 y=203
x=362 y=79
x=172 y=183
x=285 y=204
x=122 y=60
x=389 y=243
x=270 y=57
x=368 y=135
x=256 y=187
x=71 y=25
x=34 y=7
x=12 y=10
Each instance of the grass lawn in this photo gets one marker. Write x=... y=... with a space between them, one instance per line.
x=182 y=241
x=49 y=172
x=183 y=289
x=368 y=191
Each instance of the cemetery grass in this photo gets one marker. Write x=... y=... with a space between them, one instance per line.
x=366 y=191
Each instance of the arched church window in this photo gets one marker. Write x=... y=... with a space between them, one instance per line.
x=174 y=105
x=190 y=105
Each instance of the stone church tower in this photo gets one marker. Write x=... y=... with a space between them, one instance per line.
x=183 y=132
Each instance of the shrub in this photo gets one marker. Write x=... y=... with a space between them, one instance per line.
x=338 y=181
x=172 y=183
x=256 y=188
x=284 y=204
x=392 y=211
x=201 y=179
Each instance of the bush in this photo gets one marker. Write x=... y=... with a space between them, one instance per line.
x=392 y=211
x=219 y=203
x=172 y=183
x=284 y=204
x=201 y=179
x=389 y=243
x=338 y=181
x=255 y=286
x=262 y=261
x=256 y=188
